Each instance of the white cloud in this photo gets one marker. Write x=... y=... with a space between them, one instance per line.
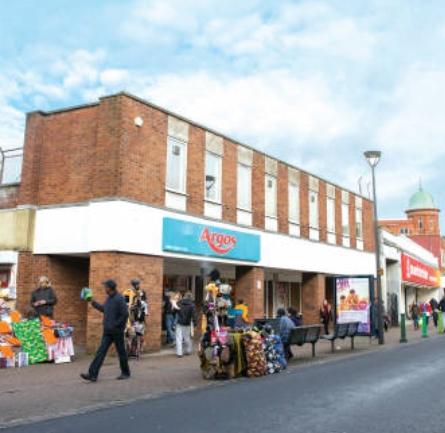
x=113 y=77
x=263 y=107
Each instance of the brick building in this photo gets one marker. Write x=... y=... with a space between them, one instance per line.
x=421 y=225
x=122 y=188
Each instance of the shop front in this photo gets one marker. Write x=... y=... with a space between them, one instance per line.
x=420 y=282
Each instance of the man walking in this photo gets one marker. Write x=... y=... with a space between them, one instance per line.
x=115 y=313
x=186 y=319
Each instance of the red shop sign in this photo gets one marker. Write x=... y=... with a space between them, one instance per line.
x=417 y=272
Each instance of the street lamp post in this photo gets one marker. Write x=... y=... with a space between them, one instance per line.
x=373 y=158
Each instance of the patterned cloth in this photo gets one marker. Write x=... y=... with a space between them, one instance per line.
x=255 y=357
x=29 y=333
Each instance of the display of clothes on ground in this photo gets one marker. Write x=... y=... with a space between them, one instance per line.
x=229 y=353
x=29 y=341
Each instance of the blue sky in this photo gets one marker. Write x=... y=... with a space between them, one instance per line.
x=313 y=83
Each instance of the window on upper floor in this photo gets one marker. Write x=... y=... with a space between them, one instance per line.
x=330 y=214
x=271 y=196
x=213 y=177
x=176 y=165
x=294 y=203
x=420 y=223
x=244 y=187
x=404 y=231
x=313 y=209
x=359 y=223
x=345 y=219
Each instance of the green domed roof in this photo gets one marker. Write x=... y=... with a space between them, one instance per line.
x=421 y=200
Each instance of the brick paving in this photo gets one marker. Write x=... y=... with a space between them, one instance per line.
x=48 y=390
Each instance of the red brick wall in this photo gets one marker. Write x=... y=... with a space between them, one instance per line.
x=123 y=268
x=283 y=198
x=352 y=226
x=247 y=279
x=67 y=275
x=258 y=190
x=229 y=181
x=313 y=291
x=304 y=205
x=196 y=156
x=142 y=152
x=368 y=226
x=322 y=211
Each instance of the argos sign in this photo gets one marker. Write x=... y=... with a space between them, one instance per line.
x=191 y=238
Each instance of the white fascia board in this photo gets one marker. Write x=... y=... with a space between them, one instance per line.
x=119 y=225
x=9 y=257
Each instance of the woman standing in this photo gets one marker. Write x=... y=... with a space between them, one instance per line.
x=326 y=315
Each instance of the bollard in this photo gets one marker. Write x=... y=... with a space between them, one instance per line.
x=439 y=322
x=402 y=329
x=424 y=326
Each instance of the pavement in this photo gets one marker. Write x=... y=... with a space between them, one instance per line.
x=47 y=390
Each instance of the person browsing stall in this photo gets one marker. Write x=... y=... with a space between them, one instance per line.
x=43 y=298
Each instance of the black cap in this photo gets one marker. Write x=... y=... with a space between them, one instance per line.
x=111 y=284
x=214 y=274
x=135 y=281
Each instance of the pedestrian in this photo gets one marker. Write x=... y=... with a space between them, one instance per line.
x=115 y=316
x=168 y=317
x=286 y=326
x=434 y=305
x=43 y=298
x=241 y=315
x=186 y=319
x=295 y=317
x=441 y=308
x=325 y=315
x=414 y=311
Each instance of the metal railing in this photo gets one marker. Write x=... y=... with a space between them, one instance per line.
x=11 y=165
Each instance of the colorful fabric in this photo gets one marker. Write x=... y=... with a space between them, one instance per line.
x=255 y=357
x=4 y=327
x=29 y=332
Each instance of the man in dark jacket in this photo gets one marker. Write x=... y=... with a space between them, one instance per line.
x=186 y=319
x=43 y=298
x=115 y=313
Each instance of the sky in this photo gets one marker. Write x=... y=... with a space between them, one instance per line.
x=312 y=83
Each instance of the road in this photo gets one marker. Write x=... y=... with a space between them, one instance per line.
x=392 y=390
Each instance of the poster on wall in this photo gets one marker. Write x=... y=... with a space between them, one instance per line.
x=353 y=301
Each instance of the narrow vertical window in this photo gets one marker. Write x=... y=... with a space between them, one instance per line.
x=176 y=165
x=294 y=203
x=345 y=219
x=420 y=223
x=313 y=209
x=244 y=187
x=213 y=177
x=330 y=214
x=358 y=223
x=271 y=196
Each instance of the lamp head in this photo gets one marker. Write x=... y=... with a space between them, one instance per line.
x=373 y=157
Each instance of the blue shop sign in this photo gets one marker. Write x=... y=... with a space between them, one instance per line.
x=191 y=238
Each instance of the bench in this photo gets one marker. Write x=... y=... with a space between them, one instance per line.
x=306 y=334
x=342 y=330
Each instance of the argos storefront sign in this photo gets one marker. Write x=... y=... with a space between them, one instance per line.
x=191 y=238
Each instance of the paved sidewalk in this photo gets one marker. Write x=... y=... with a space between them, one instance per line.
x=47 y=390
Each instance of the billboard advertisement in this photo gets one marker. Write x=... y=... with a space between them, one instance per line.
x=354 y=299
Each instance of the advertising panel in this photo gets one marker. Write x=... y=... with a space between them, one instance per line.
x=353 y=301
x=190 y=238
